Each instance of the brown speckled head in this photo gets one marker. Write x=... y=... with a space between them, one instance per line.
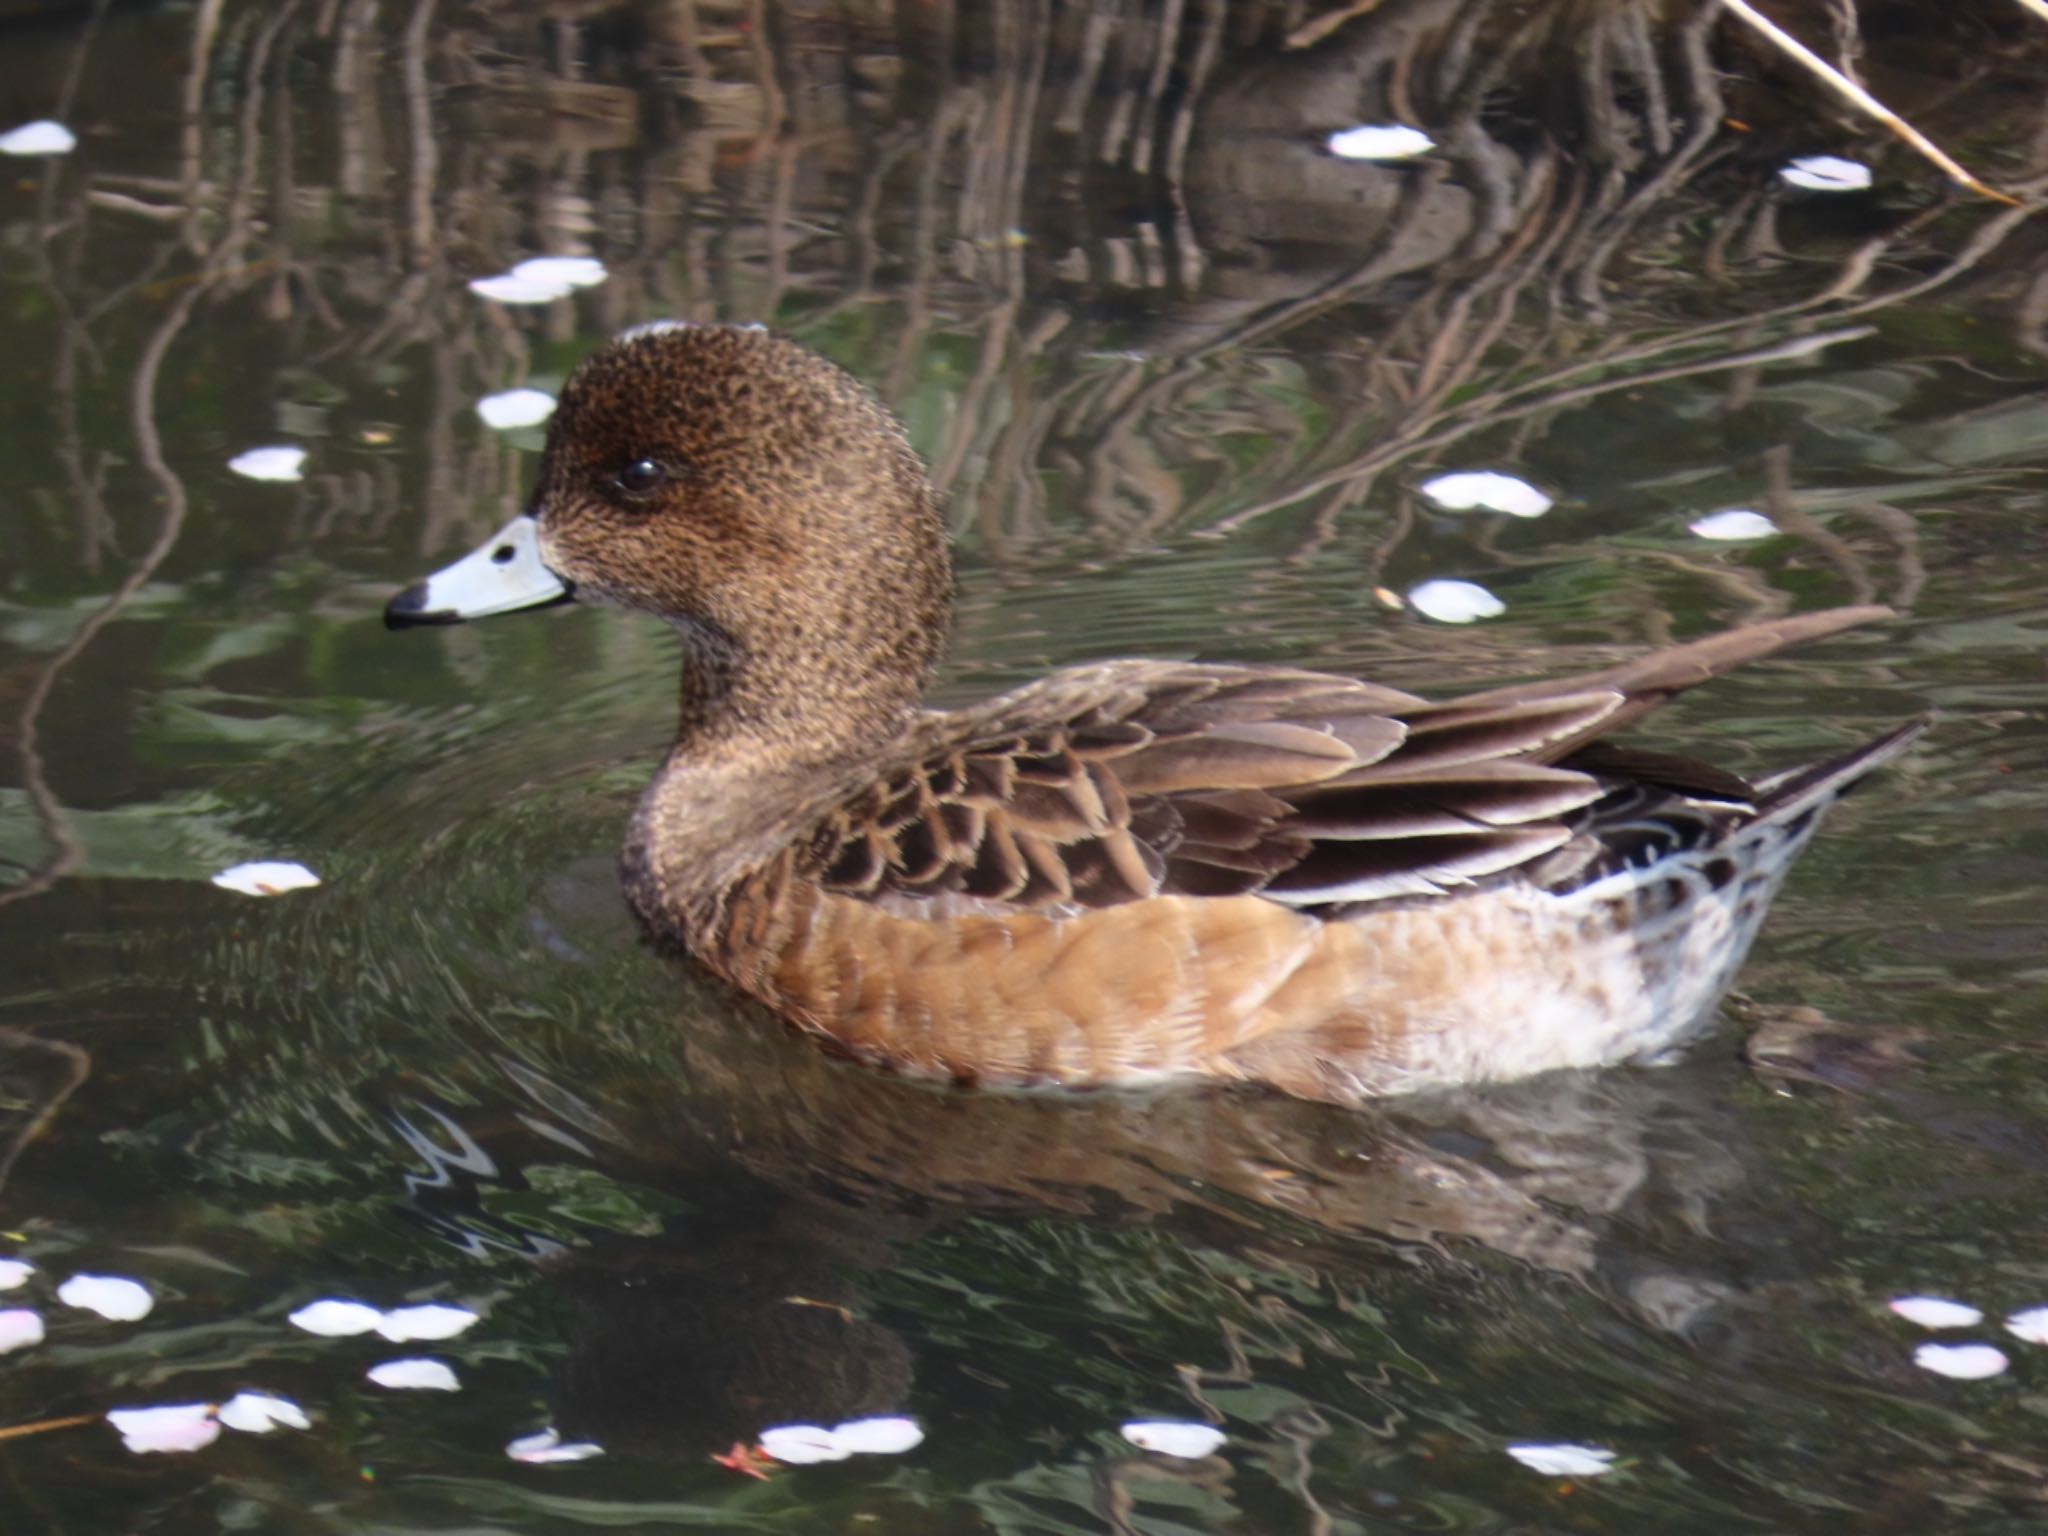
x=771 y=508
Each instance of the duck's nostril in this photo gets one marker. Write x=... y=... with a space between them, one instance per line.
x=504 y=554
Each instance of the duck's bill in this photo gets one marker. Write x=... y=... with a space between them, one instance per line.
x=506 y=573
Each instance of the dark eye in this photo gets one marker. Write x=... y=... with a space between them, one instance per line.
x=641 y=476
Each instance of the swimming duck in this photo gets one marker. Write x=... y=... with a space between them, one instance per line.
x=1127 y=872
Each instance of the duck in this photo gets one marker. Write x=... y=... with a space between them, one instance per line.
x=1130 y=872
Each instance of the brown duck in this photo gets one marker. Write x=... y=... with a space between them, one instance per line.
x=1127 y=872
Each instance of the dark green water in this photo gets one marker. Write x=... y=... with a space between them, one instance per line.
x=1181 y=375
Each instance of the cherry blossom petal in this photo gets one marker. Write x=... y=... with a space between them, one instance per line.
x=1380 y=141
x=334 y=1319
x=1486 y=490
x=258 y=1413
x=548 y=1446
x=890 y=1436
x=1935 y=1312
x=266 y=878
x=182 y=1427
x=511 y=288
x=41 y=137
x=277 y=462
x=14 y=1273
x=1962 y=1362
x=1826 y=173
x=19 y=1328
x=416 y=1375
x=2030 y=1326
x=1563 y=1459
x=114 y=1297
x=569 y=271
x=405 y=1325
x=1455 y=602
x=516 y=408
x=1735 y=524
x=1170 y=1437
x=801 y=1445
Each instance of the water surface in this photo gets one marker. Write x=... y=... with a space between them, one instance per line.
x=1181 y=375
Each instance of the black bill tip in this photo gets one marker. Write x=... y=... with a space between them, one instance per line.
x=409 y=610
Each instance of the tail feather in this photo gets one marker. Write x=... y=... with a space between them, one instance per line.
x=1793 y=791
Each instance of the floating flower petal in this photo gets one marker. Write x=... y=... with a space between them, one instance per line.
x=1936 y=1312
x=569 y=271
x=415 y=1375
x=266 y=878
x=1826 y=173
x=14 y=1273
x=1169 y=1437
x=547 y=1446
x=1963 y=1362
x=1486 y=490
x=510 y=288
x=333 y=1319
x=1733 y=525
x=1380 y=141
x=1563 y=1459
x=1455 y=602
x=258 y=1413
x=801 y=1445
x=276 y=462
x=19 y=1328
x=516 y=408
x=890 y=1436
x=404 y=1325
x=112 y=1296
x=183 y=1427
x=2030 y=1326
x=42 y=137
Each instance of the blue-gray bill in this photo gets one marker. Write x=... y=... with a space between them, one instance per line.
x=504 y=574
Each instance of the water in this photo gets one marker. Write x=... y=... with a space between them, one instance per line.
x=1181 y=376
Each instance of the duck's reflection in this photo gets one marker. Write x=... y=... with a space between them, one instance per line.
x=810 y=1179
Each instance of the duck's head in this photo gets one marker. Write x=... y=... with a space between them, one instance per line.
x=758 y=498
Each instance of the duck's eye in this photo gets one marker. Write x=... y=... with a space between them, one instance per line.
x=641 y=476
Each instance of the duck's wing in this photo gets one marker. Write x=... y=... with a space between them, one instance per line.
x=1110 y=784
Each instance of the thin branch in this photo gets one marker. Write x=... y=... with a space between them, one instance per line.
x=1858 y=97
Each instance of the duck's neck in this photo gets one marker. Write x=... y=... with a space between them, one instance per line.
x=814 y=687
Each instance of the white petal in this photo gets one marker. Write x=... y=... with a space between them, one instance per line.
x=799 y=1445
x=1171 y=1438
x=333 y=1319
x=1964 y=1362
x=19 y=1328
x=276 y=462
x=112 y=1296
x=258 y=1413
x=878 y=1437
x=547 y=1446
x=418 y=1375
x=511 y=288
x=1380 y=141
x=516 y=408
x=1455 y=602
x=42 y=137
x=403 y=1325
x=1563 y=1459
x=1486 y=490
x=569 y=271
x=184 y=1427
x=2030 y=1326
x=1737 y=524
x=266 y=878
x=1936 y=1312
x=14 y=1273
x=1826 y=173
